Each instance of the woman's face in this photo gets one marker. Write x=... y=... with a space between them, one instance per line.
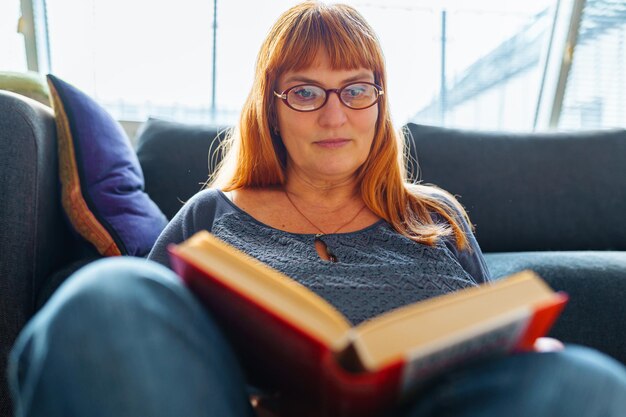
x=331 y=143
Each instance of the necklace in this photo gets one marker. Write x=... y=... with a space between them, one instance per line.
x=321 y=233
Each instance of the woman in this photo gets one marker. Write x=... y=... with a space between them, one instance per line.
x=313 y=185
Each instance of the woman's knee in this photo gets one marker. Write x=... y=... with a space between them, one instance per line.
x=586 y=382
x=114 y=279
x=113 y=321
x=112 y=308
x=111 y=285
x=588 y=367
x=108 y=297
x=575 y=381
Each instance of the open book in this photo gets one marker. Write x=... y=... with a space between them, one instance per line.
x=290 y=339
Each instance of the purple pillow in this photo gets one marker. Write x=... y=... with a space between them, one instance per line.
x=102 y=185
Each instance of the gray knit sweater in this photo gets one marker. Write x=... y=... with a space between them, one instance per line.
x=377 y=269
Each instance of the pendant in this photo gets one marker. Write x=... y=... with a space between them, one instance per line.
x=331 y=256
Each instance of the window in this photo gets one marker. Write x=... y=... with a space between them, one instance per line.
x=138 y=58
x=12 y=51
x=242 y=26
x=482 y=64
x=145 y=59
x=483 y=69
x=595 y=95
x=491 y=57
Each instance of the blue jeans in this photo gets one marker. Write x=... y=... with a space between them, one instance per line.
x=123 y=337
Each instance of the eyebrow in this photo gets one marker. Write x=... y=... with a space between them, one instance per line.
x=300 y=78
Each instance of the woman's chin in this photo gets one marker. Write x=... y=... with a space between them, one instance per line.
x=327 y=170
x=340 y=165
x=327 y=175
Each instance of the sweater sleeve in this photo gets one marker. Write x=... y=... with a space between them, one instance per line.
x=471 y=258
x=197 y=214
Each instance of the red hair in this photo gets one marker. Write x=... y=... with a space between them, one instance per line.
x=255 y=155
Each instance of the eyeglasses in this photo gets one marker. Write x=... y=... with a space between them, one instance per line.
x=310 y=97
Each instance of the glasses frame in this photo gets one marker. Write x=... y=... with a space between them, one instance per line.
x=283 y=96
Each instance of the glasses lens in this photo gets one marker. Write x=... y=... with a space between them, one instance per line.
x=306 y=97
x=359 y=95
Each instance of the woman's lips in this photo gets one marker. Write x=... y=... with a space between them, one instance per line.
x=332 y=143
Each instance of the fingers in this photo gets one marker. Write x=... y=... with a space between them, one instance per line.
x=548 y=344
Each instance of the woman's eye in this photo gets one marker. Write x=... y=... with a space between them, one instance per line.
x=355 y=91
x=305 y=93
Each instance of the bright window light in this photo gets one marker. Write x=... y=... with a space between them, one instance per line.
x=139 y=57
x=12 y=52
x=142 y=58
x=595 y=95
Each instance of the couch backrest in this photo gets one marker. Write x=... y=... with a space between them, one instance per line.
x=531 y=192
x=524 y=192
x=176 y=160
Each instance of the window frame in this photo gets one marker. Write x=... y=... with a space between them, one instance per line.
x=558 y=63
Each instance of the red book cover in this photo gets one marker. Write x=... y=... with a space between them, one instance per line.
x=280 y=356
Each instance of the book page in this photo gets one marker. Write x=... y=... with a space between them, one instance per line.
x=500 y=336
x=389 y=336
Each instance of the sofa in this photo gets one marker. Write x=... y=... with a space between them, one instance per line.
x=551 y=202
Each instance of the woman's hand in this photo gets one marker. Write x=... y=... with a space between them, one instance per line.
x=548 y=344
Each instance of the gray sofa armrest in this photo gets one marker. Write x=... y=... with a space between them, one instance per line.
x=596 y=282
x=34 y=240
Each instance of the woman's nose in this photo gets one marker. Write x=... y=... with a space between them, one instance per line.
x=334 y=111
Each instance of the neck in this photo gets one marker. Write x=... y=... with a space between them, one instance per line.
x=324 y=194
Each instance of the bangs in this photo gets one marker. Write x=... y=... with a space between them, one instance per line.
x=337 y=31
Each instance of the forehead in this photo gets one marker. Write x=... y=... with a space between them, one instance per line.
x=322 y=72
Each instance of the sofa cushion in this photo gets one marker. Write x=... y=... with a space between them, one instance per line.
x=101 y=179
x=176 y=160
x=596 y=282
x=534 y=191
